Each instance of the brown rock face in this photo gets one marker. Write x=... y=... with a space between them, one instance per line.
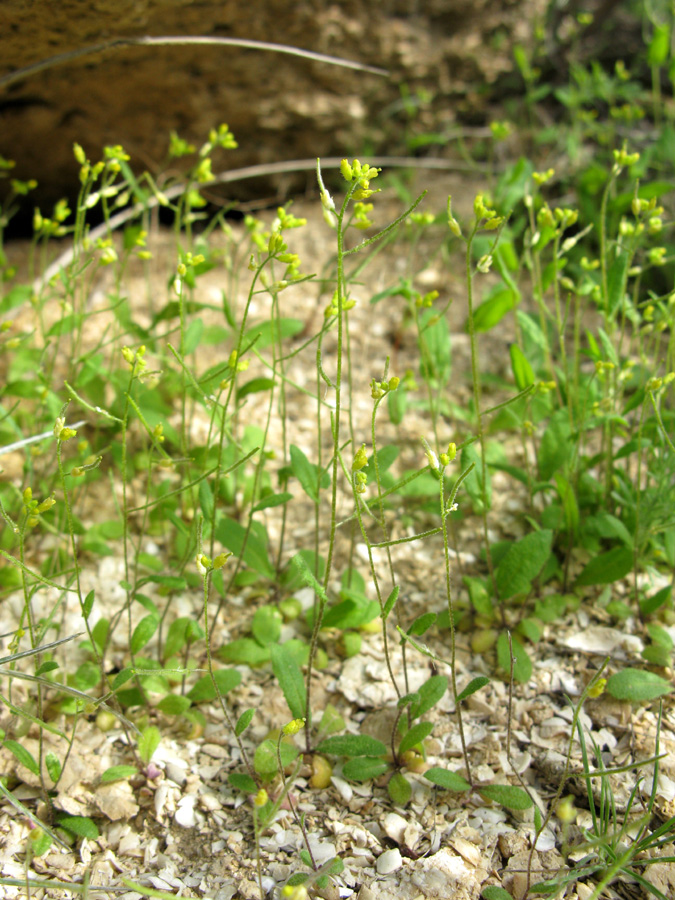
x=279 y=107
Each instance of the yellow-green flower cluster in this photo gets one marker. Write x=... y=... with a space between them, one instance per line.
x=360 y=477
x=32 y=509
x=205 y=564
x=656 y=383
x=361 y=173
x=486 y=217
x=361 y=211
x=426 y=301
x=54 y=226
x=61 y=432
x=622 y=159
x=332 y=309
x=438 y=463
x=379 y=388
x=135 y=360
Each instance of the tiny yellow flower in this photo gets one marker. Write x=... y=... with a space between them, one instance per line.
x=261 y=798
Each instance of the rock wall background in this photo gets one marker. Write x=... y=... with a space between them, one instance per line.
x=456 y=51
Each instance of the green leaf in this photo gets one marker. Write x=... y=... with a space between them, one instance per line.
x=397 y=403
x=269 y=332
x=88 y=604
x=118 y=773
x=551 y=607
x=660 y=636
x=390 y=602
x=176 y=637
x=616 y=280
x=48 y=666
x=53 y=765
x=289 y=676
x=40 y=843
x=87 y=676
x=25 y=757
x=242 y=782
x=148 y=742
x=522 y=562
x=607 y=567
x=255 y=386
x=449 y=781
x=506 y=795
x=204 y=690
x=415 y=735
x=309 y=475
x=265 y=759
x=331 y=720
x=656 y=655
x=232 y=535
x=143 y=632
x=435 y=337
x=474 y=480
x=80 y=826
x=659 y=46
x=244 y=650
x=243 y=722
x=523 y=372
x=307 y=576
x=352 y=745
x=491 y=311
x=537 y=819
x=17 y=295
x=495 y=892
x=522 y=666
x=649 y=605
x=474 y=685
x=637 y=685
x=271 y=500
x=399 y=789
x=556 y=445
x=363 y=768
x=428 y=695
x=479 y=596
x=422 y=623
x=206 y=500
x=174 y=704
x=530 y=629
x=122 y=677
x=266 y=625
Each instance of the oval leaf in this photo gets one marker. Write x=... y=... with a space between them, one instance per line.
x=522 y=562
x=289 y=676
x=415 y=735
x=243 y=722
x=117 y=773
x=495 y=892
x=607 y=567
x=148 y=742
x=352 y=745
x=399 y=789
x=363 y=768
x=474 y=685
x=522 y=664
x=53 y=764
x=81 y=826
x=429 y=694
x=507 y=795
x=226 y=679
x=24 y=756
x=449 y=781
x=143 y=632
x=637 y=685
